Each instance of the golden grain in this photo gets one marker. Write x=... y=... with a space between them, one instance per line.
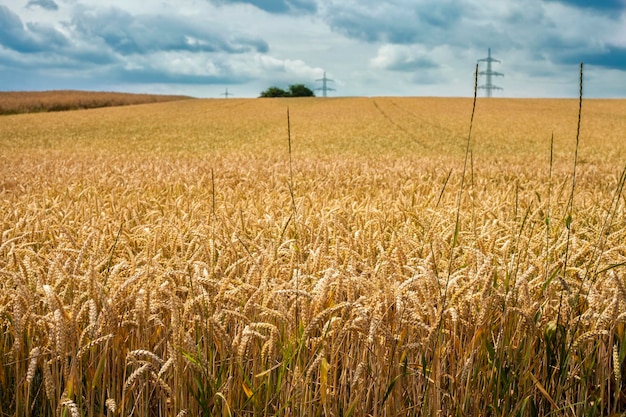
x=71 y=405
x=145 y=368
x=139 y=353
x=32 y=364
x=111 y=405
x=162 y=259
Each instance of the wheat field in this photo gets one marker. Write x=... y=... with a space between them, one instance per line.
x=368 y=258
x=17 y=102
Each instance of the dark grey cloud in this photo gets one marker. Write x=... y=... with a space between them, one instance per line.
x=29 y=38
x=434 y=23
x=609 y=6
x=519 y=26
x=400 y=22
x=46 y=35
x=44 y=4
x=40 y=74
x=111 y=46
x=127 y=34
x=611 y=57
x=276 y=6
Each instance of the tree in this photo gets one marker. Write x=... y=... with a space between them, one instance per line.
x=295 y=90
x=300 y=90
x=274 y=92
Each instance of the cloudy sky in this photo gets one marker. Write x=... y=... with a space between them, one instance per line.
x=368 y=47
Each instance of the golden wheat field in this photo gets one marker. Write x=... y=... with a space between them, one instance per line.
x=16 y=102
x=370 y=258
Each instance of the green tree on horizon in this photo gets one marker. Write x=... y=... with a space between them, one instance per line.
x=300 y=90
x=295 y=90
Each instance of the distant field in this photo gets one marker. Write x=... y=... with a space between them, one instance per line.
x=16 y=102
x=176 y=259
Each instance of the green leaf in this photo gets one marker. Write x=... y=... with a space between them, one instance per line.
x=390 y=388
x=352 y=407
x=98 y=376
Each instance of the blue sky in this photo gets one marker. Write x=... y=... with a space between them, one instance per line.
x=368 y=47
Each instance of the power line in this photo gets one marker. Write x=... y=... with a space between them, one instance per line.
x=489 y=73
x=325 y=88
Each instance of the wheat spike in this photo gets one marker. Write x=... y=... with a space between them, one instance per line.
x=111 y=405
x=32 y=364
x=71 y=405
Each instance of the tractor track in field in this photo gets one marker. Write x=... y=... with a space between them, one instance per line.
x=418 y=122
x=397 y=125
x=437 y=126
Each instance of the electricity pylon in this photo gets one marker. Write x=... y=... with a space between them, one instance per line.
x=489 y=73
x=325 y=88
x=226 y=94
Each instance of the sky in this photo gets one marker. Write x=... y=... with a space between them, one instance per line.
x=367 y=47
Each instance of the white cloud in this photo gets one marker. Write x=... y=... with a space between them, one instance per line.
x=183 y=63
x=404 y=58
x=290 y=67
x=618 y=36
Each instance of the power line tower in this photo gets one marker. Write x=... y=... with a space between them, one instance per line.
x=226 y=94
x=325 y=88
x=489 y=73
